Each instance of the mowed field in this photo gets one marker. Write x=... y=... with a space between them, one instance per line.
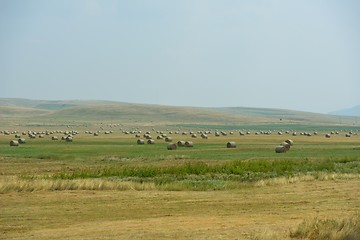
x=110 y=187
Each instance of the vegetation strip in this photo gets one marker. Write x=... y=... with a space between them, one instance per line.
x=246 y=170
x=16 y=184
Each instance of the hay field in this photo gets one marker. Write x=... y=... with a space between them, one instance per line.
x=109 y=187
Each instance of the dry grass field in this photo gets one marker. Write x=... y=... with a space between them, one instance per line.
x=266 y=212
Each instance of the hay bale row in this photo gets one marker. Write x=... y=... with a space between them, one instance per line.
x=142 y=142
x=185 y=143
x=16 y=142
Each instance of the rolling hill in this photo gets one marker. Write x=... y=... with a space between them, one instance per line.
x=21 y=111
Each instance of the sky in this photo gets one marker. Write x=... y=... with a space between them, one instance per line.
x=299 y=55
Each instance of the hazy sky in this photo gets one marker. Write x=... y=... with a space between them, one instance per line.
x=298 y=54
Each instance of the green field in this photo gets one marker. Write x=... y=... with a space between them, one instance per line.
x=110 y=187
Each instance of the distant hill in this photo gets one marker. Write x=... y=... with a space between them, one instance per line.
x=43 y=112
x=354 y=111
x=50 y=104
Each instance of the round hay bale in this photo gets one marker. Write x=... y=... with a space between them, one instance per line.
x=204 y=136
x=231 y=145
x=168 y=139
x=14 y=143
x=150 y=141
x=17 y=136
x=280 y=149
x=21 y=140
x=289 y=141
x=285 y=145
x=193 y=135
x=348 y=135
x=181 y=143
x=172 y=146
x=54 y=138
x=159 y=137
x=68 y=139
x=140 y=141
x=189 y=144
x=327 y=135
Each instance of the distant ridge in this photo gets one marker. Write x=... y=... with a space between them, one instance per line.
x=354 y=111
x=60 y=111
x=50 y=104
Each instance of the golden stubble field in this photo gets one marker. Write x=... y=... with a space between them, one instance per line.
x=263 y=212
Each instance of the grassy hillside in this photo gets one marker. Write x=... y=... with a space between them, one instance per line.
x=50 y=104
x=36 y=112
